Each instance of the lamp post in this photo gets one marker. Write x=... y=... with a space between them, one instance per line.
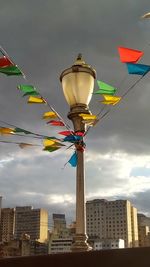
x=78 y=84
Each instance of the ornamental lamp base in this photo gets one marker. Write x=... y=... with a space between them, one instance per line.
x=80 y=244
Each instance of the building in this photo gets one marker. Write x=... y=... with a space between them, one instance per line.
x=59 y=223
x=108 y=244
x=33 y=222
x=60 y=245
x=7 y=224
x=143 y=220
x=60 y=239
x=144 y=230
x=112 y=220
x=0 y=206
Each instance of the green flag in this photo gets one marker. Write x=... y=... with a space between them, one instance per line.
x=27 y=89
x=11 y=70
x=19 y=130
x=105 y=88
x=51 y=148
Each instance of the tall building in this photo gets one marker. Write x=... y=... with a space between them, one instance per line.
x=59 y=222
x=33 y=222
x=7 y=224
x=112 y=220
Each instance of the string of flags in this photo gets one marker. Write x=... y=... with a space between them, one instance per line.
x=108 y=97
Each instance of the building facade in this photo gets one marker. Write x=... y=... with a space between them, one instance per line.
x=108 y=244
x=112 y=220
x=7 y=227
x=144 y=230
x=33 y=222
x=60 y=239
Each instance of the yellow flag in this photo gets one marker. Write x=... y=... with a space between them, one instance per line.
x=50 y=114
x=4 y=130
x=111 y=100
x=47 y=142
x=51 y=143
x=36 y=100
x=88 y=116
x=90 y=122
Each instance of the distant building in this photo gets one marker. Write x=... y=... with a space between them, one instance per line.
x=112 y=220
x=144 y=230
x=59 y=223
x=0 y=206
x=60 y=240
x=7 y=224
x=23 y=247
x=108 y=244
x=33 y=222
x=60 y=245
x=143 y=220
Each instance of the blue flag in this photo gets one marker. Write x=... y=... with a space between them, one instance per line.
x=138 y=69
x=73 y=159
x=72 y=138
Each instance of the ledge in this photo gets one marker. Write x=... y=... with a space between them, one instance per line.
x=139 y=257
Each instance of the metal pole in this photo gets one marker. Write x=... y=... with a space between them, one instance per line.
x=80 y=240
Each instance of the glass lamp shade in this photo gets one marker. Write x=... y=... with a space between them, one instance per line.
x=78 y=82
x=78 y=87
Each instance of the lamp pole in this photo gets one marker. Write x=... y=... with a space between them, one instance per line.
x=78 y=84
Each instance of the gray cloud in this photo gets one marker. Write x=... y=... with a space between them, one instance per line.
x=43 y=38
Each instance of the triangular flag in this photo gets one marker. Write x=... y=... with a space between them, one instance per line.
x=48 y=143
x=88 y=116
x=19 y=130
x=79 y=133
x=129 y=55
x=55 y=123
x=72 y=138
x=24 y=145
x=90 y=122
x=51 y=148
x=105 y=88
x=11 y=70
x=138 y=69
x=28 y=89
x=66 y=133
x=36 y=100
x=5 y=62
x=4 y=130
x=73 y=160
x=49 y=114
x=111 y=100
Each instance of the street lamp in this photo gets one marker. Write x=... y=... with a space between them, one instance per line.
x=78 y=84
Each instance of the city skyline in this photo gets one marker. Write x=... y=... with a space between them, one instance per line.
x=44 y=39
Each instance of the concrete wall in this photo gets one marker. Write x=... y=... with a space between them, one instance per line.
x=139 y=257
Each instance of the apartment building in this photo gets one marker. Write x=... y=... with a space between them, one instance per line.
x=33 y=222
x=144 y=230
x=112 y=220
x=7 y=225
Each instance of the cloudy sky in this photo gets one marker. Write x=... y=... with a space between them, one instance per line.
x=44 y=38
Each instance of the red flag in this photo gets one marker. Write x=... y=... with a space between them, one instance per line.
x=5 y=62
x=79 y=133
x=66 y=133
x=55 y=123
x=129 y=55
